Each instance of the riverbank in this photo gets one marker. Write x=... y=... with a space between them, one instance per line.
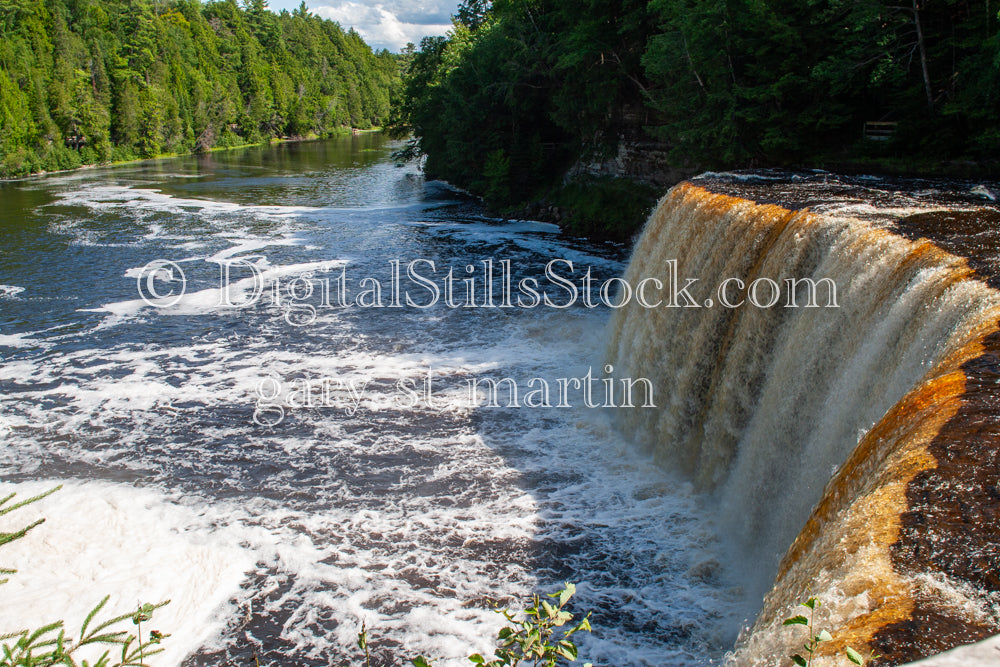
x=602 y=208
x=341 y=132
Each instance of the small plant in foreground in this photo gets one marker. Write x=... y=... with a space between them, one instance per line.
x=538 y=636
x=817 y=638
x=49 y=646
x=363 y=644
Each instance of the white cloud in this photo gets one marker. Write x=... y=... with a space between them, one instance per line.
x=390 y=24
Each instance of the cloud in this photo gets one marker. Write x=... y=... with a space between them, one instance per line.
x=389 y=23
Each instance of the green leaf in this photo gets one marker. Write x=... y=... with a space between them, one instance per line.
x=567 y=649
x=10 y=537
x=118 y=619
x=44 y=630
x=107 y=638
x=811 y=603
x=125 y=646
x=420 y=661
x=824 y=636
x=796 y=620
x=562 y=618
x=5 y=510
x=477 y=659
x=566 y=593
x=799 y=660
x=854 y=656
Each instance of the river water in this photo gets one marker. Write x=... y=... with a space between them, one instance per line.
x=289 y=467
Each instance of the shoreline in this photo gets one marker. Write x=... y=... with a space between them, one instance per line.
x=351 y=131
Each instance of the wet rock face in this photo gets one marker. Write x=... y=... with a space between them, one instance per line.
x=952 y=527
x=982 y=654
x=640 y=160
x=970 y=233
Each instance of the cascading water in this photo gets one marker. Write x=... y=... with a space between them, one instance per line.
x=772 y=410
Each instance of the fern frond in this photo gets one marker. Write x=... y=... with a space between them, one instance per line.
x=6 y=510
x=90 y=616
x=10 y=537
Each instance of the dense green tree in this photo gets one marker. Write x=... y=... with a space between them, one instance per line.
x=506 y=102
x=472 y=13
x=781 y=81
x=520 y=89
x=83 y=81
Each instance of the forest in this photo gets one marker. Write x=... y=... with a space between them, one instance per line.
x=90 y=81
x=521 y=90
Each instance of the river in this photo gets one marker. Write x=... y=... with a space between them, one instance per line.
x=284 y=465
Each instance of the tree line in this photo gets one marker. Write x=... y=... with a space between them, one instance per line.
x=521 y=89
x=88 y=81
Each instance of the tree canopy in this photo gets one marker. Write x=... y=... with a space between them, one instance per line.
x=85 y=81
x=521 y=89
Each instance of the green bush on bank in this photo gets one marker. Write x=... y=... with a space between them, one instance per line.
x=604 y=207
x=538 y=636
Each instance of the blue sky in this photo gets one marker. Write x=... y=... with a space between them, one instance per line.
x=386 y=24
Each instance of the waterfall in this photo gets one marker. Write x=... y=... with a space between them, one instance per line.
x=808 y=427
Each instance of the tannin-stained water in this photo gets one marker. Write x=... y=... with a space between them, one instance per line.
x=849 y=443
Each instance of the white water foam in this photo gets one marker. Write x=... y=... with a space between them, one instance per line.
x=18 y=340
x=459 y=530
x=144 y=199
x=10 y=291
x=152 y=211
x=237 y=293
x=133 y=545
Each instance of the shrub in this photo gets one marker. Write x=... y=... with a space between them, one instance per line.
x=538 y=636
